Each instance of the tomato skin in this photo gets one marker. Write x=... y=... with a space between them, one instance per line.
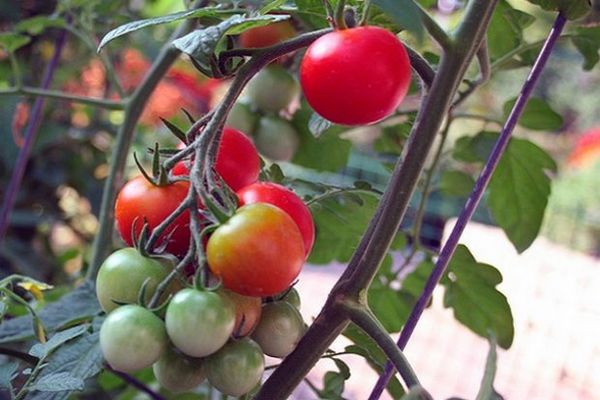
x=288 y=201
x=140 y=200
x=177 y=372
x=132 y=338
x=355 y=76
x=272 y=89
x=276 y=139
x=199 y=322
x=280 y=329
x=257 y=252
x=238 y=162
x=293 y=297
x=122 y=275
x=240 y=117
x=237 y=367
x=268 y=35
x=247 y=312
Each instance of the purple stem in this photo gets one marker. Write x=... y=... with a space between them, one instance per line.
x=30 y=135
x=473 y=201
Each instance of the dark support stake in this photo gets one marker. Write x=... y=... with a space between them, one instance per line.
x=474 y=198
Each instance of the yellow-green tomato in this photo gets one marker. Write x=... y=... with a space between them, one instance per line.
x=280 y=329
x=276 y=138
x=272 y=89
x=237 y=368
x=177 y=372
x=132 y=338
x=199 y=322
x=122 y=274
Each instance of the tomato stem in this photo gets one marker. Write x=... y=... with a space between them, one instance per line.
x=340 y=21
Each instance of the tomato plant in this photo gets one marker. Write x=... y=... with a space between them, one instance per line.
x=257 y=252
x=355 y=76
x=199 y=322
x=177 y=372
x=272 y=89
x=122 y=274
x=132 y=338
x=237 y=367
x=288 y=201
x=276 y=138
x=142 y=201
x=279 y=330
x=238 y=162
x=247 y=313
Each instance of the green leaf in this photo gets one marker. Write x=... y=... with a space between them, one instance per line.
x=41 y=350
x=59 y=382
x=333 y=386
x=36 y=25
x=340 y=222
x=471 y=293
x=311 y=12
x=405 y=13
x=587 y=41
x=328 y=152
x=165 y=19
x=13 y=41
x=476 y=148
x=317 y=125
x=270 y=6
x=80 y=304
x=201 y=44
x=7 y=374
x=537 y=115
x=486 y=389
x=393 y=138
x=519 y=191
x=456 y=183
x=370 y=351
x=78 y=359
x=572 y=9
x=505 y=31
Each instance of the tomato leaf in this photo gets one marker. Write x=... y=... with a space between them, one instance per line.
x=471 y=293
x=39 y=23
x=538 y=115
x=7 y=374
x=201 y=44
x=165 y=19
x=572 y=9
x=328 y=152
x=317 y=125
x=41 y=350
x=13 y=41
x=587 y=41
x=79 y=304
x=456 y=183
x=333 y=385
x=505 y=31
x=486 y=389
x=405 y=13
x=59 y=382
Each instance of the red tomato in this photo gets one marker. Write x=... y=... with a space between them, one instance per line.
x=288 y=201
x=140 y=199
x=268 y=35
x=257 y=252
x=355 y=76
x=238 y=162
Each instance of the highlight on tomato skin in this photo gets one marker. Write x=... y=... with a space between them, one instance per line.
x=356 y=76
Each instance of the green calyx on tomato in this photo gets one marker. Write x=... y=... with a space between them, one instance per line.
x=199 y=322
x=132 y=338
x=285 y=199
x=355 y=76
x=280 y=329
x=122 y=275
x=237 y=367
x=259 y=251
x=177 y=372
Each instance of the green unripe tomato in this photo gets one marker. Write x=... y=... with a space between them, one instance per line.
x=199 y=322
x=237 y=368
x=276 y=139
x=122 y=274
x=279 y=330
x=177 y=372
x=132 y=338
x=242 y=118
x=272 y=89
x=292 y=297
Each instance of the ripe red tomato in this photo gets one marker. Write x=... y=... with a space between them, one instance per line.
x=355 y=76
x=257 y=252
x=288 y=201
x=238 y=162
x=140 y=199
x=268 y=35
